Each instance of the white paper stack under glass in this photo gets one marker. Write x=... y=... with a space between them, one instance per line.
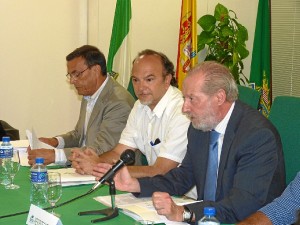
x=141 y=208
x=70 y=178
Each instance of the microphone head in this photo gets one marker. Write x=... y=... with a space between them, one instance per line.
x=128 y=157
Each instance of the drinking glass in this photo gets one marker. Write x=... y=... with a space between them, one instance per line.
x=12 y=167
x=54 y=190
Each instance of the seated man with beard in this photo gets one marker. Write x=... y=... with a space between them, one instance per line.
x=234 y=154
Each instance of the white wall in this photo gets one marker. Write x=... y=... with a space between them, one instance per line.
x=36 y=35
x=155 y=23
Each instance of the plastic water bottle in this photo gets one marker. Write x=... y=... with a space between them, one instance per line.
x=39 y=180
x=209 y=217
x=6 y=153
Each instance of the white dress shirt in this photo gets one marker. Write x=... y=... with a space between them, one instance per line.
x=166 y=124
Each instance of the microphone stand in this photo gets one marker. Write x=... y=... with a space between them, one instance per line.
x=109 y=213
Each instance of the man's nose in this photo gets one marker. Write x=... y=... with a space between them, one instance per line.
x=72 y=80
x=185 y=107
x=142 y=85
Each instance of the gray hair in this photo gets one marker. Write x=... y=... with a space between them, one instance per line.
x=217 y=76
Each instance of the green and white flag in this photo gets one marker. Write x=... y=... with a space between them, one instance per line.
x=119 y=56
x=260 y=73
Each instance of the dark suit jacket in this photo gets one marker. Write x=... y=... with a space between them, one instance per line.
x=251 y=169
x=107 y=121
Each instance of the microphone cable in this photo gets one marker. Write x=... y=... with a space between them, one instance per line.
x=50 y=207
x=127 y=157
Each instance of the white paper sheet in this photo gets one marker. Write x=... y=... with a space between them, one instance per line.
x=70 y=178
x=141 y=208
x=34 y=142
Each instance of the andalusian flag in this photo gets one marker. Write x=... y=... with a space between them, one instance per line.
x=119 y=60
x=187 y=44
x=261 y=56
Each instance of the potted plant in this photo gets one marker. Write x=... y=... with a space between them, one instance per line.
x=225 y=40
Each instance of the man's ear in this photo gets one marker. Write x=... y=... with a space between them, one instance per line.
x=221 y=96
x=97 y=68
x=168 y=79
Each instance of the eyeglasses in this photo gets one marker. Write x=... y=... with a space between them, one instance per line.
x=75 y=75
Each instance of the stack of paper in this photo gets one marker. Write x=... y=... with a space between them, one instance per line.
x=141 y=208
x=70 y=178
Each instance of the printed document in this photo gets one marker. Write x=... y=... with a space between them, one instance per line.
x=141 y=208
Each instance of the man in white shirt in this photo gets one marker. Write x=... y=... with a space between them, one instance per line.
x=156 y=126
x=104 y=109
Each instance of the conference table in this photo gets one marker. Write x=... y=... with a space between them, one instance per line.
x=15 y=201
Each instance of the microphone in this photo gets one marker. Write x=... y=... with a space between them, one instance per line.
x=126 y=158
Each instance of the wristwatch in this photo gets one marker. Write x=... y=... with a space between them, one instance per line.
x=187 y=215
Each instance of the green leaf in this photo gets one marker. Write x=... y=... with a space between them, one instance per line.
x=207 y=22
x=221 y=12
x=235 y=58
x=205 y=38
x=225 y=21
x=235 y=72
x=242 y=51
x=200 y=46
x=242 y=33
x=226 y=31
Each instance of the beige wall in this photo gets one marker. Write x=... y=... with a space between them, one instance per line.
x=155 y=23
x=36 y=35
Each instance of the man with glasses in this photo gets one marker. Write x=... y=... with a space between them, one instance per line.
x=103 y=114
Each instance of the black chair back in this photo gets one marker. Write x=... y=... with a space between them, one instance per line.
x=7 y=130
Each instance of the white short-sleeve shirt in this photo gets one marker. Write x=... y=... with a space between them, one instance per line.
x=165 y=123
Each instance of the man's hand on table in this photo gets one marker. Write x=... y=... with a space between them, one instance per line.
x=83 y=161
x=47 y=154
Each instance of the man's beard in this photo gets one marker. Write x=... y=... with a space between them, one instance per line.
x=206 y=122
x=149 y=102
x=146 y=100
x=207 y=125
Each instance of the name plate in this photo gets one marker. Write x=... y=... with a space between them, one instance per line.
x=38 y=216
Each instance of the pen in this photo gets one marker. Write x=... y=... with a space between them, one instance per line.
x=156 y=142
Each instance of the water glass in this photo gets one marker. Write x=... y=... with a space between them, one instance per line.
x=12 y=167
x=54 y=190
x=4 y=179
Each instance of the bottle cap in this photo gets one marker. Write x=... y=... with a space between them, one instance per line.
x=209 y=211
x=39 y=160
x=5 y=139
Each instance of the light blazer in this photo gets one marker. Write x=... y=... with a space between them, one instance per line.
x=251 y=169
x=107 y=121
